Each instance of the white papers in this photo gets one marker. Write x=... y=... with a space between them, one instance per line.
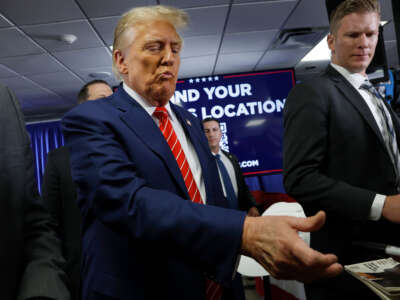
x=248 y=266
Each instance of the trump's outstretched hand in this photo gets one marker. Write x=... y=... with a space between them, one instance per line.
x=274 y=242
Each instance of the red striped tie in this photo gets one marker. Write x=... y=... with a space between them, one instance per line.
x=213 y=290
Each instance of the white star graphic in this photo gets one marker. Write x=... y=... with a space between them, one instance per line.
x=204 y=79
x=210 y=78
x=216 y=78
x=197 y=79
x=190 y=80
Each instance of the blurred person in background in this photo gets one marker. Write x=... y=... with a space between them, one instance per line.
x=60 y=196
x=30 y=251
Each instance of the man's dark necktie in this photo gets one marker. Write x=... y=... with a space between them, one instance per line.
x=230 y=192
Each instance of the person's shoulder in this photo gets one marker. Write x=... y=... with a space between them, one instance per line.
x=97 y=108
x=185 y=114
x=231 y=156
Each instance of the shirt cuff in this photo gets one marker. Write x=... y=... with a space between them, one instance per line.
x=377 y=207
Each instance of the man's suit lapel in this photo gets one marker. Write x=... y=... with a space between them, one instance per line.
x=203 y=153
x=354 y=97
x=139 y=121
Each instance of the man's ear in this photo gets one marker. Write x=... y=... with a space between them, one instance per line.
x=331 y=42
x=119 y=60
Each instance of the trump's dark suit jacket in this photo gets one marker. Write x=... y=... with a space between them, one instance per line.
x=245 y=199
x=335 y=160
x=142 y=236
x=30 y=254
x=59 y=197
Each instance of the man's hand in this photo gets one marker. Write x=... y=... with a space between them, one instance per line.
x=253 y=212
x=273 y=241
x=391 y=208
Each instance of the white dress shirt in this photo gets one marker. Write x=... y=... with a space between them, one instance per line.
x=187 y=147
x=356 y=80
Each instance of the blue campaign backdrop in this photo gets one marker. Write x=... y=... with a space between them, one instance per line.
x=249 y=108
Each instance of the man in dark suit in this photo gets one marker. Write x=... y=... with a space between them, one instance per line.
x=341 y=150
x=59 y=194
x=30 y=252
x=144 y=172
x=242 y=197
x=232 y=181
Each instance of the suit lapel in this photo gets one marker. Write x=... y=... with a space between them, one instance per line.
x=203 y=153
x=354 y=97
x=140 y=122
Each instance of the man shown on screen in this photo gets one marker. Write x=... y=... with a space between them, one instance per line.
x=154 y=219
x=341 y=150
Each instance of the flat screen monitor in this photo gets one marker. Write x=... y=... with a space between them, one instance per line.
x=249 y=107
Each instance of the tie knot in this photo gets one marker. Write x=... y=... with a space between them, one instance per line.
x=366 y=85
x=217 y=156
x=160 y=113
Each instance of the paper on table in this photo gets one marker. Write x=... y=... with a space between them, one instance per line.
x=247 y=265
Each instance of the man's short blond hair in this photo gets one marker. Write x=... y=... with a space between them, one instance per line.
x=139 y=15
x=348 y=7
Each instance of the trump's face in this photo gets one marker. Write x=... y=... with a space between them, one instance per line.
x=354 y=42
x=150 y=64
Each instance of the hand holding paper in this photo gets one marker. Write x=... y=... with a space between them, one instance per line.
x=273 y=241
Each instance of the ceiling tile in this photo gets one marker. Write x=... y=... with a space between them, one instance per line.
x=84 y=58
x=32 y=64
x=105 y=8
x=24 y=12
x=281 y=58
x=6 y=72
x=200 y=46
x=105 y=27
x=104 y=73
x=49 y=35
x=197 y=66
x=247 y=41
x=4 y=22
x=60 y=82
x=206 y=21
x=389 y=32
x=237 y=62
x=19 y=83
x=392 y=54
x=193 y=3
x=386 y=10
x=258 y=16
x=309 y=13
x=15 y=43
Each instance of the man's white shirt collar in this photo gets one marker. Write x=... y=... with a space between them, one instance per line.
x=219 y=152
x=356 y=79
x=143 y=103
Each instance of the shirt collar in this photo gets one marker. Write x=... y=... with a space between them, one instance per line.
x=143 y=102
x=356 y=79
x=219 y=152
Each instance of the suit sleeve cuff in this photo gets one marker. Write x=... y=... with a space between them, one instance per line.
x=377 y=207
